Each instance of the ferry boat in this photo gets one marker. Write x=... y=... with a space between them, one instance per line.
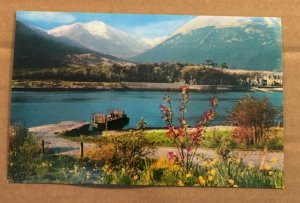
x=115 y=120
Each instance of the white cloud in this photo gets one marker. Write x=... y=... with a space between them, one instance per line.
x=46 y=17
x=153 y=30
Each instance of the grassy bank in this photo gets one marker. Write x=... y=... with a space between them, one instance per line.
x=213 y=138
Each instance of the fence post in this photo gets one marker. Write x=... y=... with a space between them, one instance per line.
x=81 y=150
x=43 y=147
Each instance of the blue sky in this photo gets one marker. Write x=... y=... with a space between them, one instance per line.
x=150 y=26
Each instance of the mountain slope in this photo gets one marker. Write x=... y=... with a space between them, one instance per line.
x=253 y=43
x=100 y=37
x=34 y=48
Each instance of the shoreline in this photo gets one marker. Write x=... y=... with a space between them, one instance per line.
x=50 y=85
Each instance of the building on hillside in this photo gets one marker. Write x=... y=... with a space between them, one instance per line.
x=270 y=79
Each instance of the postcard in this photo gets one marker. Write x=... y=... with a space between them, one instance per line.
x=156 y=100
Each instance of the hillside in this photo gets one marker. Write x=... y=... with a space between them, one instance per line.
x=248 y=43
x=35 y=49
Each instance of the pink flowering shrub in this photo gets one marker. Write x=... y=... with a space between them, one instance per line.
x=185 y=138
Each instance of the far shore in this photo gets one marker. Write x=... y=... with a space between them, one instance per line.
x=59 y=85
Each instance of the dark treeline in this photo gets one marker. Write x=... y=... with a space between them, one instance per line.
x=163 y=72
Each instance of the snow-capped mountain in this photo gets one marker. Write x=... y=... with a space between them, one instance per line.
x=253 y=43
x=103 y=38
x=35 y=49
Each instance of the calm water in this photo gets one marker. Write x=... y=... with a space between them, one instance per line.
x=39 y=108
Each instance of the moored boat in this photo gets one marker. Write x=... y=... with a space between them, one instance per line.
x=115 y=120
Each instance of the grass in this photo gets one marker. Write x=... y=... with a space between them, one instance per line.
x=211 y=139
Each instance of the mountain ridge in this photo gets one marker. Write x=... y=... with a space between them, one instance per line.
x=251 y=43
x=101 y=37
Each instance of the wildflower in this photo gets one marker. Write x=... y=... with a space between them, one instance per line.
x=267 y=167
x=270 y=173
x=273 y=160
x=180 y=183
x=11 y=164
x=213 y=162
x=171 y=133
x=135 y=177
x=210 y=178
x=171 y=156
x=213 y=172
x=201 y=180
x=50 y=165
x=230 y=181
x=188 y=175
x=235 y=185
x=251 y=165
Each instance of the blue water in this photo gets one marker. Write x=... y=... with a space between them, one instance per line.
x=39 y=108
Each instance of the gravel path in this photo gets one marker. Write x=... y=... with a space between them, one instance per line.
x=49 y=133
x=253 y=157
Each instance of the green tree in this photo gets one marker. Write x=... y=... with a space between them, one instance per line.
x=253 y=118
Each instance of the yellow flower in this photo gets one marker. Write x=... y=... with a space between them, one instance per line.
x=201 y=180
x=235 y=185
x=50 y=165
x=213 y=172
x=267 y=167
x=180 y=183
x=251 y=165
x=213 y=162
x=188 y=175
x=230 y=181
x=270 y=173
x=273 y=160
x=135 y=177
x=210 y=178
x=11 y=164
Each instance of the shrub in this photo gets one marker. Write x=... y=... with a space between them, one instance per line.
x=186 y=140
x=128 y=150
x=253 y=118
x=104 y=153
x=24 y=153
